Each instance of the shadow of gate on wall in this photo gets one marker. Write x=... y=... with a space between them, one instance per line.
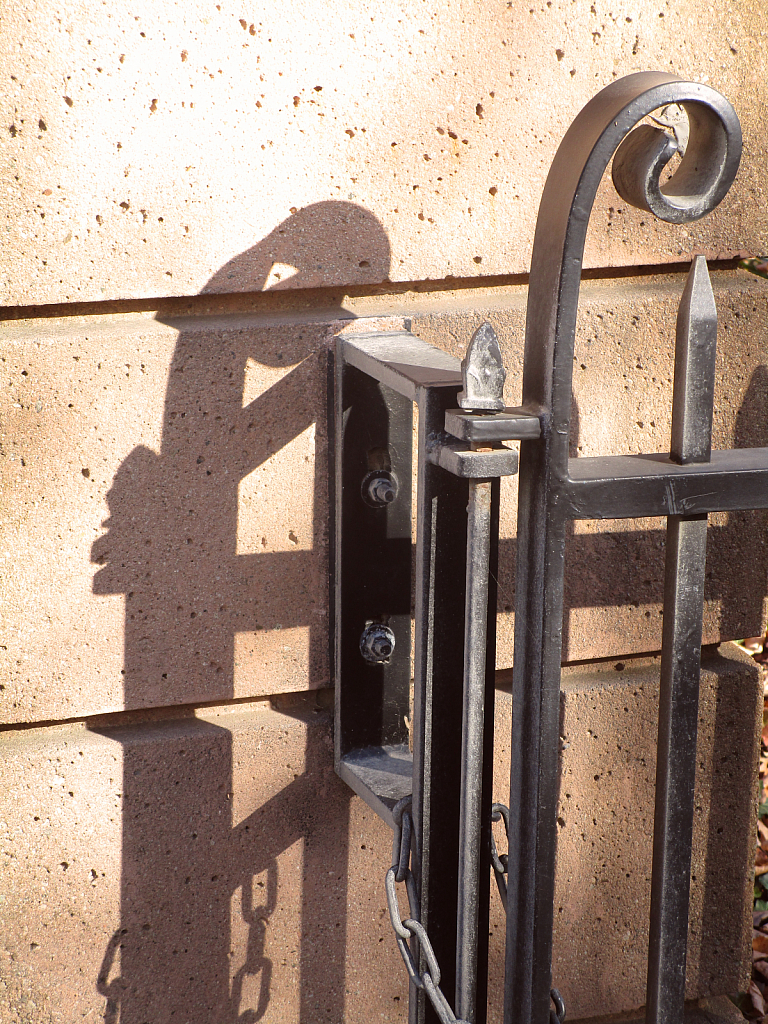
x=200 y=616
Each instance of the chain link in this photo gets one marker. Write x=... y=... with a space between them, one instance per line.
x=500 y=864
x=410 y=934
x=557 y=1015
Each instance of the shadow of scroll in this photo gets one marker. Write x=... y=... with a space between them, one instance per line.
x=189 y=872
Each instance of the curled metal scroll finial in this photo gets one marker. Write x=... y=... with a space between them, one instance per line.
x=705 y=173
x=609 y=127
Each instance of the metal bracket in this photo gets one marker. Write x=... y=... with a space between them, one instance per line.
x=389 y=746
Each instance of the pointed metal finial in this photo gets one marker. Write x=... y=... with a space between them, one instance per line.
x=695 y=352
x=483 y=373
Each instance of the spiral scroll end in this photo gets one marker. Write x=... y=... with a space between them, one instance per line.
x=706 y=170
x=638 y=164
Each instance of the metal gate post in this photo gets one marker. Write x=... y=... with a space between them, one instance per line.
x=554 y=489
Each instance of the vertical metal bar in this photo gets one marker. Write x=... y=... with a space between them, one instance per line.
x=488 y=759
x=534 y=773
x=473 y=736
x=483 y=377
x=695 y=357
x=676 y=767
x=695 y=351
x=440 y=580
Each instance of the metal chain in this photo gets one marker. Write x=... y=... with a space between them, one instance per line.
x=500 y=864
x=411 y=928
x=556 y=1015
x=427 y=980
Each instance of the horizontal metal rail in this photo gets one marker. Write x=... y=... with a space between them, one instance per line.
x=628 y=486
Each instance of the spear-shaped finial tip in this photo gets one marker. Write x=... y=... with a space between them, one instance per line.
x=698 y=300
x=483 y=373
x=695 y=359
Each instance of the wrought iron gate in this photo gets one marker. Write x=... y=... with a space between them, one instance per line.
x=423 y=761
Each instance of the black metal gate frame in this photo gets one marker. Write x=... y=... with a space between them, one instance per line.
x=433 y=753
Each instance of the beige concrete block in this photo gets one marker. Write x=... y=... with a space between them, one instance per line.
x=720 y=1010
x=164 y=491
x=169 y=149
x=60 y=835
x=165 y=521
x=210 y=868
x=214 y=867
x=605 y=826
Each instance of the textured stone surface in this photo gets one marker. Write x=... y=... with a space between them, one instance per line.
x=605 y=826
x=147 y=144
x=214 y=866
x=720 y=1010
x=207 y=868
x=164 y=492
x=167 y=500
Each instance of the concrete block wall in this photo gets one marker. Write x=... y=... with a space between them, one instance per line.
x=207 y=864
x=149 y=142
x=198 y=198
x=166 y=532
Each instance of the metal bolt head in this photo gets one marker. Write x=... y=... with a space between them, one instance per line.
x=379 y=488
x=377 y=643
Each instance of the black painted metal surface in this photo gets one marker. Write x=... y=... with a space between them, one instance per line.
x=432 y=771
x=373 y=579
x=483 y=377
x=691 y=442
x=449 y=772
x=554 y=489
x=440 y=593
